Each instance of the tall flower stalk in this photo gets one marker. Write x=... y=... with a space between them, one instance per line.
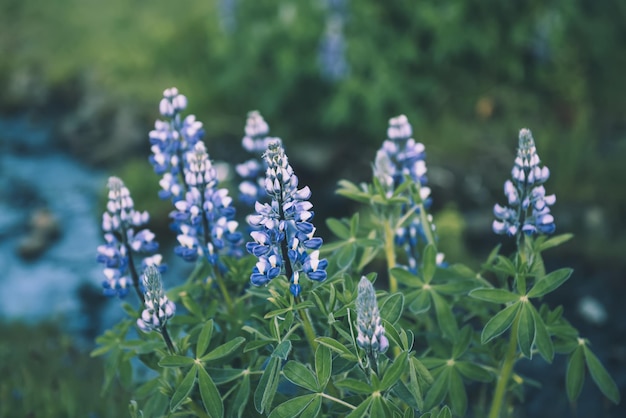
x=125 y=244
x=371 y=333
x=401 y=158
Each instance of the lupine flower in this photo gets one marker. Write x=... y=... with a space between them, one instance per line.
x=120 y=222
x=371 y=333
x=252 y=172
x=284 y=238
x=205 y=217
x=401 y=156
x=170 y=140
x=528 y=207
x=158 y=308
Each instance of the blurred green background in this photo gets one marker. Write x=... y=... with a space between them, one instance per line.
x=327 y=76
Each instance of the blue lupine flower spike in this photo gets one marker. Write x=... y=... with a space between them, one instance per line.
x=170 y=139
x=528 y=209
x=120 y=222
x=401 y=156
x=205 y=217
x=284 y=238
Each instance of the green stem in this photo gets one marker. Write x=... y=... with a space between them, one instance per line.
x=339 y=401
x=390 y=255
x=222 y=286
x=309 y=332
x=168 y=340
x=505 y=372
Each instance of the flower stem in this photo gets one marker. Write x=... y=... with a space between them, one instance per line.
x=168 y=340
x=309 y=332
x=390 y=255
x=505 y=372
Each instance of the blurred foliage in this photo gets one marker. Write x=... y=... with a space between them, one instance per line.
x=468 y=74
x=45 y=374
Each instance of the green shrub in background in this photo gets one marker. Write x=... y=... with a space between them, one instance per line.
x=464 y=71
x=45 y=373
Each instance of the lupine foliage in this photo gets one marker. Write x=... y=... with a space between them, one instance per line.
x=250 y=338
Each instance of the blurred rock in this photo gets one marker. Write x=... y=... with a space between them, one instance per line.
x=44 y=229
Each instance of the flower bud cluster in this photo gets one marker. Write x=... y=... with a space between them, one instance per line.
x=252 y=171
x=120 y=222
x=284 y=235
x=528 y=207
x=371 y=333
x=158 y=308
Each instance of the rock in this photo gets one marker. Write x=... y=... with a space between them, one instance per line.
x=44 y=229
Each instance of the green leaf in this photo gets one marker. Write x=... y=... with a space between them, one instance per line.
x=393 y=373
x=184 y=389
x=575 y=375
x=445 y=317
x=313 y=409
x=494 y=295
x=445 y=412
x=323 y=366
x=438 y=390
x=391 y=333
x=542 y=337
x=504 y=265
x=415 y=385
x=351 y=191
x=526 y=330
x=421 y=303
x=392 y=307
x=601 y=377
x=456 y=287
x=457 y=394
x=192 y=306
x=461 y=345
x=176 y=361
x=337 y=347
x=282 y=350
x=243 y=394
x=377 y=409
x=338 y=228
x=499 y=323
x=429 y=262
x=210 y=395
x=293 y=407
x=473 y=371
x=204 y=338
x=255 y=345
x=554 y=241
x=406 y=277
x=360 y=410
x=300 y=375
x=266 y=389
x=354 y=385
x=223 y=350
x=345 y=256
x=224 y=375
x=549 y=282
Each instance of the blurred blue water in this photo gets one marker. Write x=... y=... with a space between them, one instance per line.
x=35 y=175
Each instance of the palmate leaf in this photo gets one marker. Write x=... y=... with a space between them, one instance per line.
x=204 y=338
x=457 y=394
x=445 y=317
x=542 y=337
x=223 y=350
x=393 y=373
x=338 y=228
x=499 y=323
x=438 y=390
x=243 y=394
x=337 y=347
